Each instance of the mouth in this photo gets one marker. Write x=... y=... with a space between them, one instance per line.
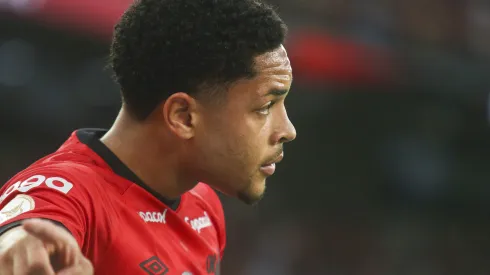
x=270 y=167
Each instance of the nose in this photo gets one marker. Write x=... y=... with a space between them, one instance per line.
x=288 y=131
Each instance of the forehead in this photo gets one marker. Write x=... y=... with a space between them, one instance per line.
x=276 y=61
x=273 y=72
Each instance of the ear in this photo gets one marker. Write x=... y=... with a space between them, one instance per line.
x=180 y=115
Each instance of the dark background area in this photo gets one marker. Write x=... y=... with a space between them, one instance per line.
x=389 y=173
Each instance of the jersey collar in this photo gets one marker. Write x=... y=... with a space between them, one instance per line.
x=91 y=138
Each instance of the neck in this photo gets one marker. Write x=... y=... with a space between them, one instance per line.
x=144 y=150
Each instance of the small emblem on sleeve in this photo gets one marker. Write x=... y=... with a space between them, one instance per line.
x=18 y=205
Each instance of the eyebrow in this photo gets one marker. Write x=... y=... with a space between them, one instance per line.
x=277 y=92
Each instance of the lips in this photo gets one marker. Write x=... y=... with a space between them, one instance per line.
x=270 y=167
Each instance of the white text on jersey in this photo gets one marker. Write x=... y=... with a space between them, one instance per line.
x=199 y=223
x=155 y=217
x=56 y=183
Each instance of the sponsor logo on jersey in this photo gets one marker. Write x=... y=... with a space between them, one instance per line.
x=154 y=266
x=56 y=183
x=154 y=217
x=20 y=204
x=199 y=223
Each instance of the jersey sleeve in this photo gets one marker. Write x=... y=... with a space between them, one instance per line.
x=54 y=194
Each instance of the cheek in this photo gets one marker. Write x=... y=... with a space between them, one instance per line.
x=236 y=155
x=236 y=144
x=237 y=152
x=249 y=141
x=222 y=146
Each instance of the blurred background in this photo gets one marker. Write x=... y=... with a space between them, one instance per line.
x=390 y=173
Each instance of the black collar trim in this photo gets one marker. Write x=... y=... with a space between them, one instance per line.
x=91 y=138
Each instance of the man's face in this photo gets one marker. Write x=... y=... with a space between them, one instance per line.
x=239 y=140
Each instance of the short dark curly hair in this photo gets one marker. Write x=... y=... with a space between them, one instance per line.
x=161 y=47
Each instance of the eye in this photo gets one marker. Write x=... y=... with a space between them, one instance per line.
x=266 y=109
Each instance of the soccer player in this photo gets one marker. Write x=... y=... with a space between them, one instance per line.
x=203 y=84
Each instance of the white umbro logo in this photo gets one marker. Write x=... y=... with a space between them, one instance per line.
x=154 y=217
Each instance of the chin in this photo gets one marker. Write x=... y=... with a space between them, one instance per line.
x=253 y=194
x=250 y=199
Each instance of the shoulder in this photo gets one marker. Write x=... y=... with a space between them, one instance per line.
x=206 y=194
x=60 y=177
x=210 y=201
x=61 y=191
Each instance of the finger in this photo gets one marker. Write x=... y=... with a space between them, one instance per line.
x=39 y=262
x=6 y=264
x=49 y=232
x=74 y=270
x=61 y=246
x=64 y=257
x=84 y=267
x=31 y=258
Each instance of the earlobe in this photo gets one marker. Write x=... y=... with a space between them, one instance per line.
x=179 y=115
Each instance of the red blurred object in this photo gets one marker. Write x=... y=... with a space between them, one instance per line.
x=94 y=16
x=316 y=56
x=97 y=17
x=320 y=58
